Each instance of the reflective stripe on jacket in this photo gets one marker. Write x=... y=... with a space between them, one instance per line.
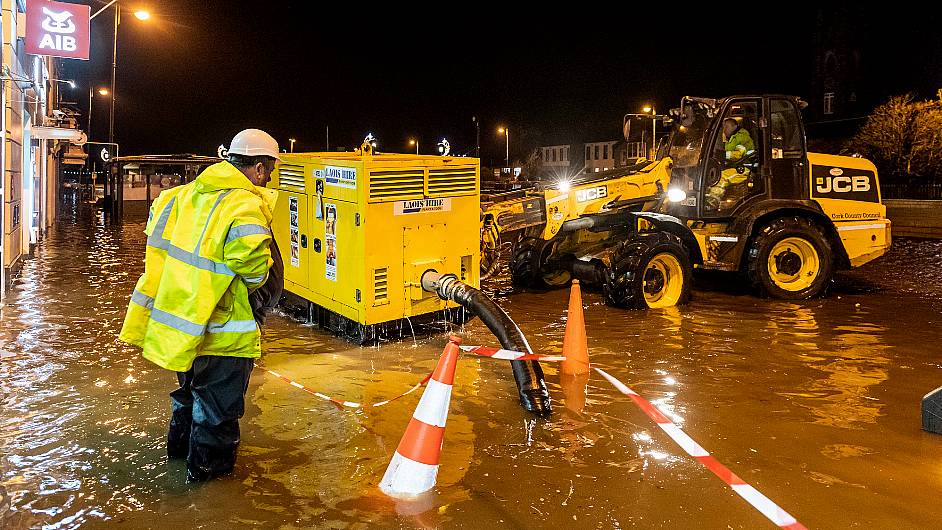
x=207 y=247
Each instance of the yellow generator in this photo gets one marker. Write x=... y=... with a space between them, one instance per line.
x=357 y=230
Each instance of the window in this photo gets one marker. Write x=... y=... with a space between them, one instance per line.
x=786 y=131
x=554 y=154
x=596 y=152
x=733 y=173
x=605 y=152
x=588 y=152
x=829 y=102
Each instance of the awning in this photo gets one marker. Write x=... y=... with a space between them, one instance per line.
x=74 y=136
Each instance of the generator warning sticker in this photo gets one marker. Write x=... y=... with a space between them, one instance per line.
x=330 y=241
x=341 y=177
x=293 y=228
x=422 y=206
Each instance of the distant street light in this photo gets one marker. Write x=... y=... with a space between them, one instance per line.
x=506 y=132
x=292 y=140
x=103 y=91
x=413 y=141
x=141 y=15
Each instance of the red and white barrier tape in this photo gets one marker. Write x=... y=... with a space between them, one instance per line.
x=350 y=404
x=758 y=501
x=483 y=351
x=509 y=355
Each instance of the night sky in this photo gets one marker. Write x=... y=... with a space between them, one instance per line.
x=198 y=72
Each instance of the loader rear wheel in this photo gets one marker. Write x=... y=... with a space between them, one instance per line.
x=790 y=258
x=649 y=271
x=526 y=265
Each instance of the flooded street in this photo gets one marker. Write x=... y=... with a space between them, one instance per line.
x=816 y=404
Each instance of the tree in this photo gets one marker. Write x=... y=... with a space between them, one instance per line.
x=533 y=165
x=903 y=138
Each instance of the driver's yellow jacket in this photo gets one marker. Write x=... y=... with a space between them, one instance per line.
x=739 y=144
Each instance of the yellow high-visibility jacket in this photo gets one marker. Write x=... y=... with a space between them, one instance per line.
x=207 y=247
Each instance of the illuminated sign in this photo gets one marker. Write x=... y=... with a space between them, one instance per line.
x=57 y=29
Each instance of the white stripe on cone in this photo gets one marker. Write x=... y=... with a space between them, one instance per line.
x=433 y=407
x=407 y=477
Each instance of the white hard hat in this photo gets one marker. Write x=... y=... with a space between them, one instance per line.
x=254 y=142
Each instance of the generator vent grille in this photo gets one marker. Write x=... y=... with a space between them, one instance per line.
x=393 y=185
x=380 y=286
x=291 y=177
x=452 y=181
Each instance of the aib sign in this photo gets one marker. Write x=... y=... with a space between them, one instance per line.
x=57 y=29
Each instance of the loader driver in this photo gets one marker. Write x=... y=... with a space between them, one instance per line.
x=207 y=249
x=738 y=145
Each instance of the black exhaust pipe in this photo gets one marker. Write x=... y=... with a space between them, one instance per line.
x=531 y=386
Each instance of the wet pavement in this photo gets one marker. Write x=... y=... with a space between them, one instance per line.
x=816 y=404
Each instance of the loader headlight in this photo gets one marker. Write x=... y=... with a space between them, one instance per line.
x=676 y=195
x=564 y=185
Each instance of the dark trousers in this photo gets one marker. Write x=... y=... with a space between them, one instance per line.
x=204 y=426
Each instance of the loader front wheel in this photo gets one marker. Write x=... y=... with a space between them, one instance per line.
x=526 y=265
x=790 y=258
x=649 y=271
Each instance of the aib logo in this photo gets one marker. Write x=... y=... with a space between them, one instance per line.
x=840 y=183
x=60 y=28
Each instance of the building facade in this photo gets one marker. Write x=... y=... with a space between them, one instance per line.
x=599 y=156
x=555 y=161
x=29 y=120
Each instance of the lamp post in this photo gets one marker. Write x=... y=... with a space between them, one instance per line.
x=102 y=91
x=506 y=132
x=413 y=141
x=140 y=15
x=646 y=109
x=292 y=140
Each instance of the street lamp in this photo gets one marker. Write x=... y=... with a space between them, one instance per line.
x=292 y=140
x=141 y=15
x=413 y=141
x=506 y=132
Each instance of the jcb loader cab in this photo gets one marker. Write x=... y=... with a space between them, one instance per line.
x=786 y=217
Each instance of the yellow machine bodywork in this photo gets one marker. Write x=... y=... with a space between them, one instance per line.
x=862 y=224
x=576 y=199
x=357 y=231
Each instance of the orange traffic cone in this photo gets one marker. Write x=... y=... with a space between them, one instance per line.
x=414 y=466
x=575 y=391
x=575 y=344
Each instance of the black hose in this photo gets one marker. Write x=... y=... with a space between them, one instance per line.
x=531 y=386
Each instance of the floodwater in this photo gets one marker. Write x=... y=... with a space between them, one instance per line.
x=816 y=404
